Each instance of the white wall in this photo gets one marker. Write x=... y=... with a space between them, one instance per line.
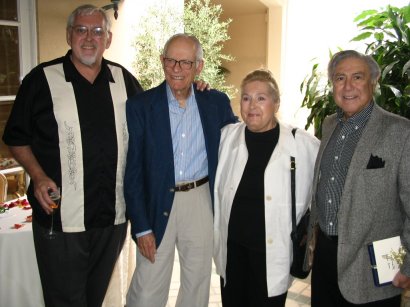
x=311 y=29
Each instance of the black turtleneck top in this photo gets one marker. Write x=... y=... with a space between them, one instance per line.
x=247 y=220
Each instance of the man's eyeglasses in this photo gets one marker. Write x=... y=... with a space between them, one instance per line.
x=183 y=64
x=96 y=32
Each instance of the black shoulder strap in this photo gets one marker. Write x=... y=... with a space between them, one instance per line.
x=293 y=188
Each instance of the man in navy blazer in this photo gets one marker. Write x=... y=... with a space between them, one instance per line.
x=174 y=133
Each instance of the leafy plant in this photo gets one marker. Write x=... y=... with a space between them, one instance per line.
x=154 y=29
x=318 y=98
x=387 y=35
x=201 y=19
x=391 y=49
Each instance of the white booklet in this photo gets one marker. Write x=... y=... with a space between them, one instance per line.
x=383 y=263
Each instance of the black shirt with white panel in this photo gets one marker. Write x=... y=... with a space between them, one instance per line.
x=78 y=133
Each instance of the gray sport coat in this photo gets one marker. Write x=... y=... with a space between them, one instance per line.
x=375 y=203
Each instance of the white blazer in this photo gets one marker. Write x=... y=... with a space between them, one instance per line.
x=233 y=155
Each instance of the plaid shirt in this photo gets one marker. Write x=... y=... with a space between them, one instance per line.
x=335 y=165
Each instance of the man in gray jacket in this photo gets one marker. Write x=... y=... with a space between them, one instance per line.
x=361 y=189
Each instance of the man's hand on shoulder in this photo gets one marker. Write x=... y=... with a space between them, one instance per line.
x=147 y=247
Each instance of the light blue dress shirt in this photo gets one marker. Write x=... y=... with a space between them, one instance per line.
x=190 y=158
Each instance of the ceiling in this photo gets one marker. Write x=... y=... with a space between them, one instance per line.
x=239 y=7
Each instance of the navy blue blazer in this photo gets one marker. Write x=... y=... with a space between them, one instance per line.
x=149 y=174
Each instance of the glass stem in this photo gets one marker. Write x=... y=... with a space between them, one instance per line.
x=52 y=222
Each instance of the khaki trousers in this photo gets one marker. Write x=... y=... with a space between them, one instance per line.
x=190 y=229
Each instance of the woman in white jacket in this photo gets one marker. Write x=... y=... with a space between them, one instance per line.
x=252 y=244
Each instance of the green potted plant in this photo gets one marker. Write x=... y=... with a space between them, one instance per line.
x=200 y=18
x=387 y=35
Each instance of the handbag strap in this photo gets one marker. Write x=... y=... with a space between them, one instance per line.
x=292 y=186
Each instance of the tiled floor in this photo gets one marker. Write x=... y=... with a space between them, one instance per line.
x=298 y=294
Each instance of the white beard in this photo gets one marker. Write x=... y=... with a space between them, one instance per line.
x=88 y=60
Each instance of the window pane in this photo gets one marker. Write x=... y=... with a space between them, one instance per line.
x=8 y=10
x=9 y=69
x=5 y=109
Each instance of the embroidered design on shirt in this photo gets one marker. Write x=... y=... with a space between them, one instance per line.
x=71 y=155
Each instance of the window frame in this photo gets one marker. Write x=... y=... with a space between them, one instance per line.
x=26 y=26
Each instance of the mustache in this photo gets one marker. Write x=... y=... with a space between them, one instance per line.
x=87 y=45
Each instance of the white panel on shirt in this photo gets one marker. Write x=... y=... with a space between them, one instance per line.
x=119 y=98
x=71 y=155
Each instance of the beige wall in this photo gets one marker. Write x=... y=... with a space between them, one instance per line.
x=249 y=42
x=248 y=46
x=274 y=41
x=51 y=23
x=256 y=42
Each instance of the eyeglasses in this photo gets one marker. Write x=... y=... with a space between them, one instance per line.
x=96 y=32
x=183 y=64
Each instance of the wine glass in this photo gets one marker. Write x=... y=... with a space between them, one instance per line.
x=56 y=197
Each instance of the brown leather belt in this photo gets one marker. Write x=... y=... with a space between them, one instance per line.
x=185 y=187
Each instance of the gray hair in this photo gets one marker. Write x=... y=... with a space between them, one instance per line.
x=341 y=55
x=266 y=76
x=87 y=10
x=199 y=51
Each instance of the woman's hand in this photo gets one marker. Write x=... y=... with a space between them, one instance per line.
x=202 y=85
